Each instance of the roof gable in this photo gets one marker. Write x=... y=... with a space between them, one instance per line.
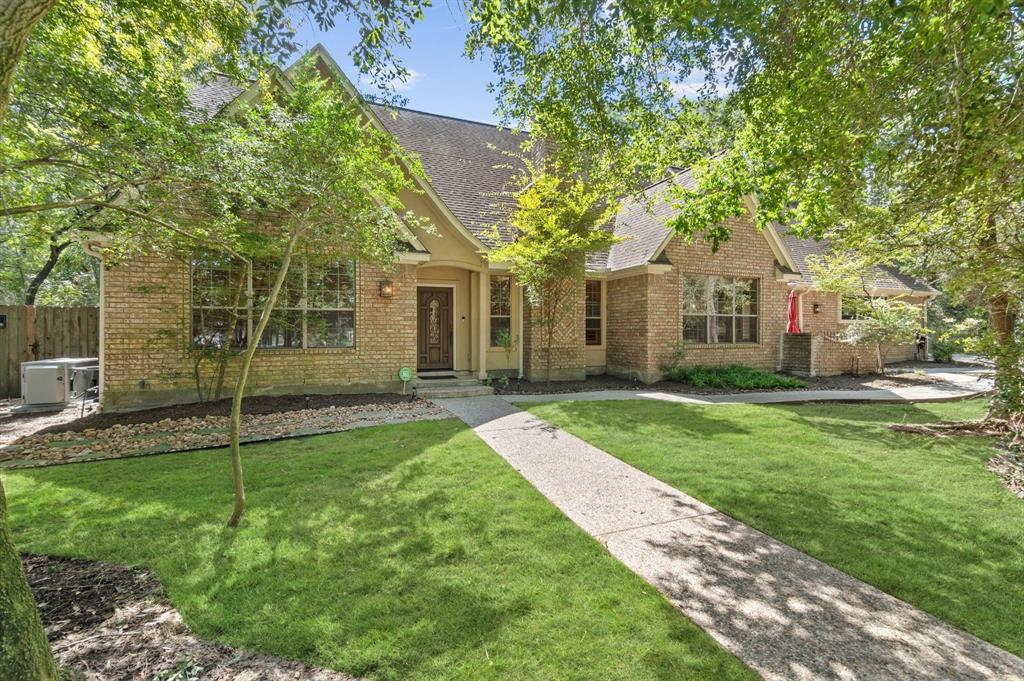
x=886 y=278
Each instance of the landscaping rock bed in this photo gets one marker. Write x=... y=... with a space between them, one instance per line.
x=112 y=436
x=110 y=622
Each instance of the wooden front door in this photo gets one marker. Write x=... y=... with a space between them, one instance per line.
x=435 y=329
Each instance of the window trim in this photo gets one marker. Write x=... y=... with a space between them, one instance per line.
x=252 y=320
x=707 y=318
x=491 y=316
x=602 y=292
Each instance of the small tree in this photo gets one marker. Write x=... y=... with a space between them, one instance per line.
x=880 y=322
x=301 y=174
x=557 y=220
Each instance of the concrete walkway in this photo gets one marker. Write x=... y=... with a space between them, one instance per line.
x=785 y=614
x=956 y=385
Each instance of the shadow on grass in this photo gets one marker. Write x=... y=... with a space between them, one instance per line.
x=919 y=518
x=397 y=552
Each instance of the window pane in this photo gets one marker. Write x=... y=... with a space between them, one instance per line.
x=216 y=281
x=331 y=287
x=283 y=331
x=854 y=307
x=695 y=329
x=500 y=326
x=746 y=329
x=695 y=295
x=593 y=330
x=330 y=329
x=746 y=296
x=593 y=298
x=501 y=296
x=723 y=292
x=210 y=328
x=721 y=330
x=264 y=274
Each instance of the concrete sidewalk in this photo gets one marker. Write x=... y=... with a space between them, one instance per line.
x=956 y=385
x=785 y=614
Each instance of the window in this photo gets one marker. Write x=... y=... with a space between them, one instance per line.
x=593 y=313
x=331 y=306
x=719 y=309
x=219 y=294
x=501 y=310
x=315 y=307
x=853 y=307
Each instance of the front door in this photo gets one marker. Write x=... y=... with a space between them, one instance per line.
x=434 y=328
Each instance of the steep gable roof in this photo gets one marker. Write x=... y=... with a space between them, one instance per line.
x=884 y=277
x=467 y=164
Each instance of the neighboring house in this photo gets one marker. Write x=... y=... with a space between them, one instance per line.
x=443 y=307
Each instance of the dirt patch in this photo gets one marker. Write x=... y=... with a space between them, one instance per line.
x=901 y=379
x=109 y=622
x=141 y=437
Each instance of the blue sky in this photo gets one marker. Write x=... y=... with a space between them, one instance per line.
x=443 y=80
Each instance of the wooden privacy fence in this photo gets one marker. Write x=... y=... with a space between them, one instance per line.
x=43 y=333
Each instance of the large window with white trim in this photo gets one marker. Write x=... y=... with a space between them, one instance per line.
x=718 y=309
x=315 y=307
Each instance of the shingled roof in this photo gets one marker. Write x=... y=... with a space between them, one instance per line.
x=884 y=276
x=641 y=224
x=467 y=165
x=209 y=97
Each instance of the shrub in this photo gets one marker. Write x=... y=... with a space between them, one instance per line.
x=734 y=376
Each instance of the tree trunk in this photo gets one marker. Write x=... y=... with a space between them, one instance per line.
x=17 y=19
x=1009 y=386
x=24 y=652
x=37 y=281
x=243 y=376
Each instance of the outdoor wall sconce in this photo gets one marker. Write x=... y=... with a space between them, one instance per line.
x=816 y=308
x=387 y=288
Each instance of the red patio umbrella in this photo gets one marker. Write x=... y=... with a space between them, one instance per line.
x=794 y=313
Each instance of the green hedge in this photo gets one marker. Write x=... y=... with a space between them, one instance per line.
x=734 y=376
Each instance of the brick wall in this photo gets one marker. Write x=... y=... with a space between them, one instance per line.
x=147 y=329
x=644 y=312
x=796 y=354
x=568 y=360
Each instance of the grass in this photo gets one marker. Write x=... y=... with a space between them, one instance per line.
x=397 y=552
x=735 y=376
x=917 y=517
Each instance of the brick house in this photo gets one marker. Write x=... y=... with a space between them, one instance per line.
x=443 y=308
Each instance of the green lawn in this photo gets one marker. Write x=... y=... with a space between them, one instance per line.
x=398 y=552
x=917 y=517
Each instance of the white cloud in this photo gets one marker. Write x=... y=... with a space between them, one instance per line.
x=395 y=84
x=399 y=85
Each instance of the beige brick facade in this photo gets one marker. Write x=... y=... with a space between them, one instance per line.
x=644 y=311
x=568 y=361
x=147 y=327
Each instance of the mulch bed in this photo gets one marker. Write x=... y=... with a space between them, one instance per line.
x=606 y=382
x=187 y=427
x=108 y=622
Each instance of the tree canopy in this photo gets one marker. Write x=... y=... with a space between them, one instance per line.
x=896 y=128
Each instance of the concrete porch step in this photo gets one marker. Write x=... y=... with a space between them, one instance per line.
x=432 y=391
x=446 y=382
